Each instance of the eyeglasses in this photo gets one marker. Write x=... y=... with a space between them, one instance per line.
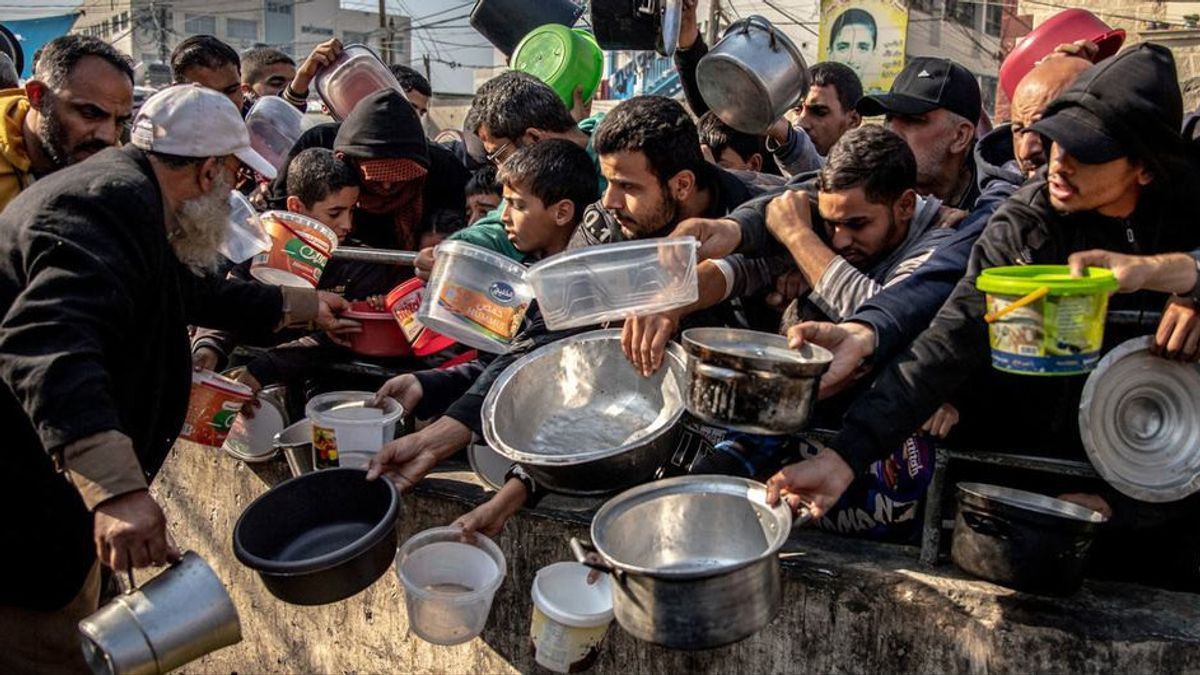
x=494 y=157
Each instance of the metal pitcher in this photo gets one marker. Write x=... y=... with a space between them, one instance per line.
x=173 y=619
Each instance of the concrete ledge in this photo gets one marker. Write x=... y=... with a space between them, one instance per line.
x=848 y=605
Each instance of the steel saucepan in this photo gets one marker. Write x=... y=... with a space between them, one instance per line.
x=694 y=559
x=751 y=381
x=581 y=419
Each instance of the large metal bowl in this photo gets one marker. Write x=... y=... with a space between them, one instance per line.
x=580 y=419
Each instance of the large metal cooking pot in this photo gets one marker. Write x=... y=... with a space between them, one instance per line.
x=581 y=419
x=751 y=381
x=175 y=618
x=320 y=537
x=1023 y=540
x=752 y=76
x=694 y=559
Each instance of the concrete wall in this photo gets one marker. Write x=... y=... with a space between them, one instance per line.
x=848 y=606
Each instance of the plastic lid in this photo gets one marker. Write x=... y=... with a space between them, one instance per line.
x=506 y=264
x=324 y=408
x=562 y=592
x=402 y=290
x=1023 y=279
x=1139 y=419
x=207 y=378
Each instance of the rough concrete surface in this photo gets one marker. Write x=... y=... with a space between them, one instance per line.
x=848 y=606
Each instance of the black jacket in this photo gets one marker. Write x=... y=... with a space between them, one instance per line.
x=94 y=338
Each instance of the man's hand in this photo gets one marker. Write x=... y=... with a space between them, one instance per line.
x=718 y=238
x=131 y=531
x=689 y=26
x=778 y=131
x=1178 y=335
x=788 y=287
x=489 y=517
x=424 y=263
x=404 y=388
x=1083 y=49
x=1089 y=501
x=582 y=109
x=330 y=308
x=205 y=358
x=852 y=344
x=323 y=55
x=816 y=483
x=789 y=213
x=644 y=340
x=404 y=461
x=941 y=422
x=948 y=217
x=1132 y=271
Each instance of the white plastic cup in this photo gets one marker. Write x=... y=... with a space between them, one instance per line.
x=570 y=618
x=448 y=584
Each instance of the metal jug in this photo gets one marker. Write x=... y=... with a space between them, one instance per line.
x=173 y=619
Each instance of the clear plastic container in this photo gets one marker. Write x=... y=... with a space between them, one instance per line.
x=343 y=423
x=245 y=237
x=274 y=125
x=354 y=75
x=449 y=584
x=589 y=286
x=475 y=296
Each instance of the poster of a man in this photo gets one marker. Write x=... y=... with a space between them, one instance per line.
x=866 y=35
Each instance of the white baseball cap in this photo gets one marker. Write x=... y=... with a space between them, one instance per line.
x=188 y=120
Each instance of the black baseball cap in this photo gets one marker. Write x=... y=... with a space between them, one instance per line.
x=1082 y=134
x=927 y=83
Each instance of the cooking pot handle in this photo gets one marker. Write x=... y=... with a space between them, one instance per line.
x=988 y=525
x=581 y=551
x=802 y=517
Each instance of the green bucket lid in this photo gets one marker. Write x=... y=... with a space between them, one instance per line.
x=1023 y=279
x=562 y=58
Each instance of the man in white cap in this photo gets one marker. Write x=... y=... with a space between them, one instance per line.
x=102 y=267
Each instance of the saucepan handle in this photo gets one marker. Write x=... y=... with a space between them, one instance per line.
x=802 y=517
x=581 y=551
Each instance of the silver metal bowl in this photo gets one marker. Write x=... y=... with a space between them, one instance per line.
x=579 y=417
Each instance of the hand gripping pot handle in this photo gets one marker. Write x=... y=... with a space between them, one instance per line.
x=588 y=556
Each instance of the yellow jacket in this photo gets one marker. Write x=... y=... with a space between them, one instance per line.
x=14 y=160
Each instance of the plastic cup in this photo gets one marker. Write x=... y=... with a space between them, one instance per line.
x=570 y=618
x=212 y=407
x=449 y=584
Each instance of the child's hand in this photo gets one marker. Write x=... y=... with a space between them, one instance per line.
x=489 y=517
x=377 y=303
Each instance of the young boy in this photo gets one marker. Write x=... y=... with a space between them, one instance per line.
x=483 y=193
x=324 y=188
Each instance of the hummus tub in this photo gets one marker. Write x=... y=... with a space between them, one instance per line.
x=300 y=249
x=1058 y=334
x=212 y=407
x=475 y=296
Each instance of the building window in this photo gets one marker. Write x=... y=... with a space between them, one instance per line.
x=962 y=11
x=926 y=6
x=199 y=24
x=241 y=29
x=124 y=20
x=354 y=38
x=993 y=20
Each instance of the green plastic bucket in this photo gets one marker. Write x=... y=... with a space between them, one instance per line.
x=1061 y=333
x=562 y=58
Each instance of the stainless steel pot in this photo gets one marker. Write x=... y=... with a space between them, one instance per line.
x=175 y=618
x=694 y=559
x=752 y=76
x=295 y=442
x=580 y=419
x=751 y=381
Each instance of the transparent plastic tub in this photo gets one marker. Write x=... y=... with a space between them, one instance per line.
x=449 y=584
x=592 y=285
x=476 y=297
x=345 y=424
x=354 y=75
x=245 y=237
x=274 y=125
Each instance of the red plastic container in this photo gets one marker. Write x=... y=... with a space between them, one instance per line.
x=380 y=335
x=403 y=302
x=1066 y=26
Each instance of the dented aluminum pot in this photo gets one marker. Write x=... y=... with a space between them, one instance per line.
x=751 y=381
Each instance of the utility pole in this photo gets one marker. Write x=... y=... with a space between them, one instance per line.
x=714 y=18
x=385 y=35
x=428 y=72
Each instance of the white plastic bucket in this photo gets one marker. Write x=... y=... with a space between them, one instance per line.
x=449 y=584
x=343 y=423
x=570 y=618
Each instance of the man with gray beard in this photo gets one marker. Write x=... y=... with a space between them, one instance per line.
x=103 y=265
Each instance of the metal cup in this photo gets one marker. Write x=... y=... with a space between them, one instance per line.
x=173 y=619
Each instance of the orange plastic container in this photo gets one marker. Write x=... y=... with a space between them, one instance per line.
x=300 y=249
x=403 y=302
x=212 y=407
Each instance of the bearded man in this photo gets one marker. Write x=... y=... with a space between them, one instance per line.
x=103 y=265
x=76 y=105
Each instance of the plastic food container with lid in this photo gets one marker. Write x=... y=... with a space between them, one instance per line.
x=274 y=125
x=354 y=75
x=300 y=249
x=570 y=617
x=475 y=296
x=1059 y=334
x=403 y=302
x=563 y=58
x=344 y=423
x=380 y=335
x=592 y=285
x=213 y=405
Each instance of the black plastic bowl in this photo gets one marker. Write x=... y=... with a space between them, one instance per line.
x=320 y=537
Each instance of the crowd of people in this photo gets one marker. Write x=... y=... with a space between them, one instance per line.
x=864 y=238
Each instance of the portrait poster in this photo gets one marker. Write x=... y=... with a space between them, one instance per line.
x=868 y=36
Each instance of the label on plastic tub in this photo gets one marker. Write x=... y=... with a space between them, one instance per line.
x=405 y=311
x=325 y=449
x=1058 y=335
x=496 y=313
x=562 y=648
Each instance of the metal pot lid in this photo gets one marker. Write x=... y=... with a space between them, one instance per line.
x=252 y=439
x=754 y=350
x=488 y=464
x=1031 y=501
x=1139 y=419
